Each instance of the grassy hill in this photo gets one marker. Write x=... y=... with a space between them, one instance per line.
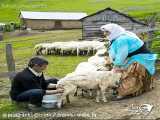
x=9 y=9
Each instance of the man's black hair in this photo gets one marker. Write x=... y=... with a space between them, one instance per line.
x=37 y=60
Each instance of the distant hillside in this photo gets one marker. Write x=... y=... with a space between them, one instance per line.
x=9 y=9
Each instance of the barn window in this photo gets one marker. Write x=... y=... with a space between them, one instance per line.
x=58 y=24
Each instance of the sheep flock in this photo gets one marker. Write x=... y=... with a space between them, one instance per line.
x=69 y=48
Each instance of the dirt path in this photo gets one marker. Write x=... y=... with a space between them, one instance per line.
x=87 y=108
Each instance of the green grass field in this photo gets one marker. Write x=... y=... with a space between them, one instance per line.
x=23 y=49
x=10 y=9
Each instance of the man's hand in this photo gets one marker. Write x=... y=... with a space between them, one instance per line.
x=51 y=85
x=59 y=86
x=60 y=90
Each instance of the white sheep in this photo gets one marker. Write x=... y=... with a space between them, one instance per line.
x=95 y=63
x=72 y=47
x=98 y=80
x=85 y=67
x=101 y=61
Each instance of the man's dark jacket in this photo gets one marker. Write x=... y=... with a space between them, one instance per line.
x=26 y=80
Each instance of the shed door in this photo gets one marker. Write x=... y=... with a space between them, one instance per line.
x=58 y=24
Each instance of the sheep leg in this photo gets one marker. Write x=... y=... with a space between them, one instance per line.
x=88 y=51
x=62 y=52
x=83 y=90
x=67 y=92
x=94 y=51
x=98 y=96
x=60 y=104
x=67 y=99
x=82 y=93
x=77 y=51
x=76 y=92
x=90 y=93
x=103 y=91
x=104 y=97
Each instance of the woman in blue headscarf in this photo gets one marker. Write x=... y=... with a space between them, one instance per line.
x=130 y=56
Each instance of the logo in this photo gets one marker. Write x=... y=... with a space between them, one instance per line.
x=141 y=109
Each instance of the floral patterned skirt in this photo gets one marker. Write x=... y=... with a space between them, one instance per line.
x=135 y=81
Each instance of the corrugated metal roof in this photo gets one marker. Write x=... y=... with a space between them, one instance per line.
x=52 y=15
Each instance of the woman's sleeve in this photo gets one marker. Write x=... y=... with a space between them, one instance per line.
x=122 y=52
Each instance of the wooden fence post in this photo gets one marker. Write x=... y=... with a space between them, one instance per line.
x=1 y=36
x=10 y=60
x=152 y=24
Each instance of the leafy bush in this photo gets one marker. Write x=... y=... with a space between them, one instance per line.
x=11 y=27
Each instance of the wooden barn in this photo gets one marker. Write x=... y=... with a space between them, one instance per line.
x=91 y=24
x=51 y=20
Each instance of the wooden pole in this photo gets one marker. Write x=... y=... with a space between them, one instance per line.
x=1 y=36
x=10 y=60
x=152 y=24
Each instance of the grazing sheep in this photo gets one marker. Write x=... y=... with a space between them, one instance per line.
x=98 y=80
x=69 y=48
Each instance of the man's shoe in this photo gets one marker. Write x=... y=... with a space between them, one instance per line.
x=34 y=107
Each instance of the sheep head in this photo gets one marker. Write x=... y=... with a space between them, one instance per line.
x=67 y=86
x=116 y=80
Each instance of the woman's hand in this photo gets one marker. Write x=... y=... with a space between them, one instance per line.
x=117 y=69
x=108 y=60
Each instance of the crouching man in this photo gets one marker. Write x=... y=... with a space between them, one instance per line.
x=30 y=85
